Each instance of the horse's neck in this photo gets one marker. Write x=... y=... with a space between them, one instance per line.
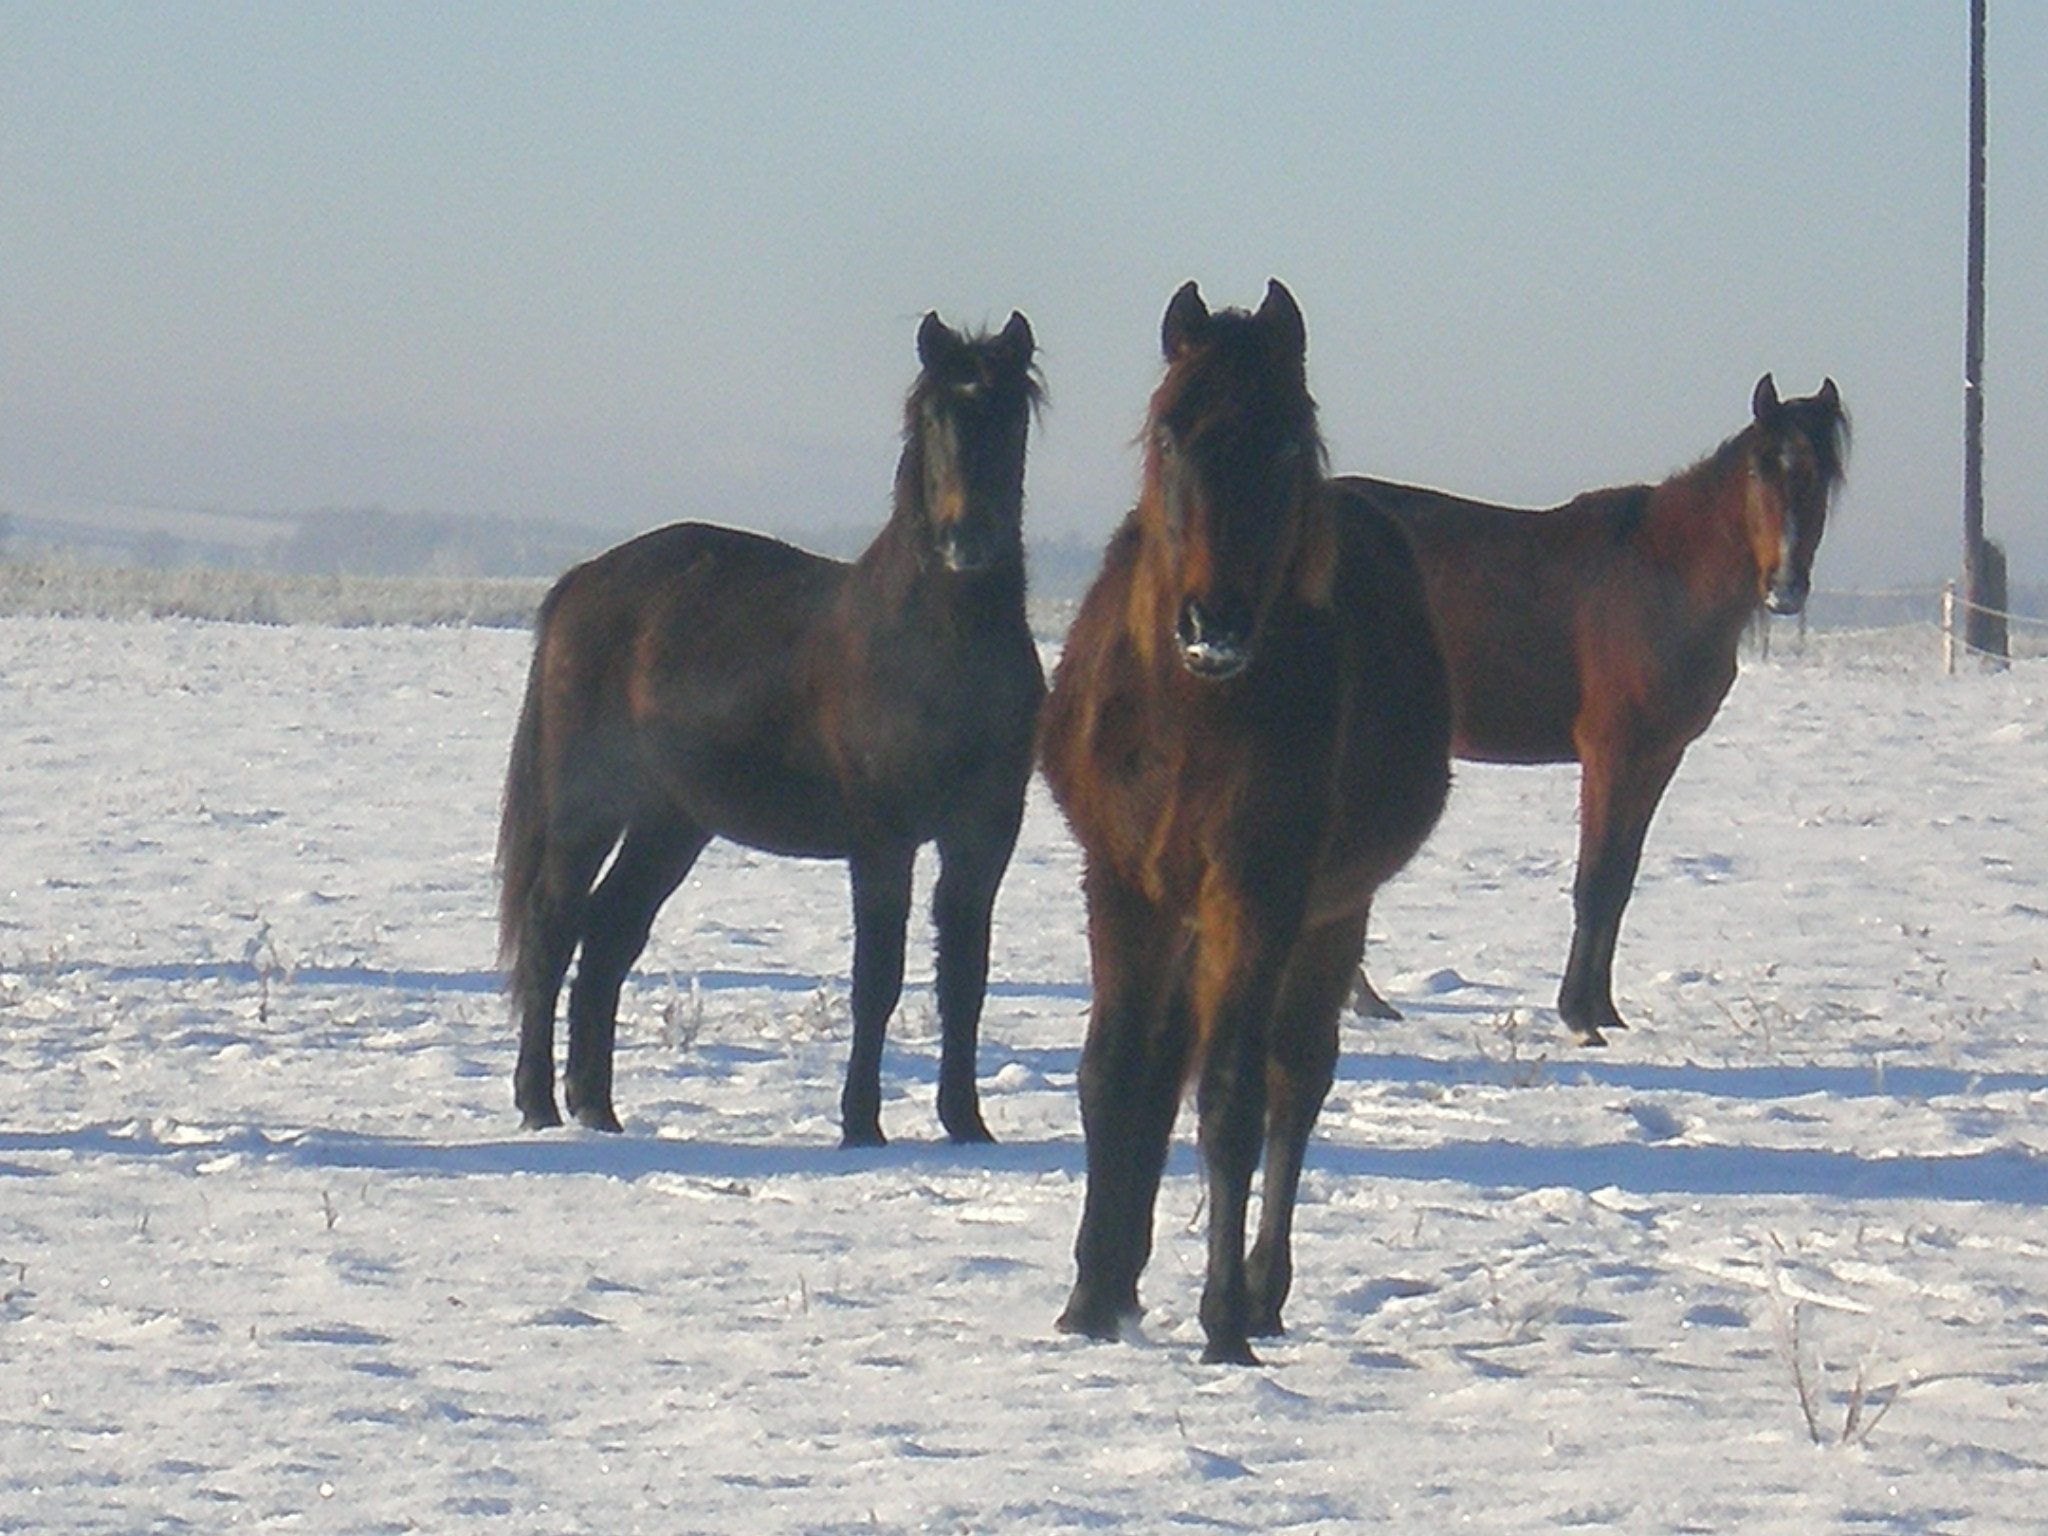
x=1696 y=524
x=901 y=557
x=902 y=567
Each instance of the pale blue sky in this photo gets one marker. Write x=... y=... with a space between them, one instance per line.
x=629 y=263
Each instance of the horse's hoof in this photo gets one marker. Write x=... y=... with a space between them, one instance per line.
x=1267 y=1327
x=862 y=1136
x=1229 y=1352
x=1593 y=1034
x=974 y=1134
x=600 y=1118
x=1367 y=1002
x=543 y=1119
x=1103 y=1323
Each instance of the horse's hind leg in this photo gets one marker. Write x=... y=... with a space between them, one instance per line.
x=536 y=986
x=553 y=924
x=1301 y=1061
x=1616 y=802
x=655 y=856
x=1365 y=996
x=970 y=870
x=1366 y=999
x=881 y=913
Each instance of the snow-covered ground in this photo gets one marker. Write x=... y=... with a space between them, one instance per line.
x=274 y=1253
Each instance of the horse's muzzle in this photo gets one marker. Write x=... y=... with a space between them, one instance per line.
x=963 y=553
x=1215 y=641
x=1786 y=598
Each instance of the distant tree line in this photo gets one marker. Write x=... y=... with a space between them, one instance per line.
x=372 y=541
x=369 y=541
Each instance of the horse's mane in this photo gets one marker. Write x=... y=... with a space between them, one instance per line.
x=1829 y=430
x=1825 y=427
x=1232 y=352
x=975 y=362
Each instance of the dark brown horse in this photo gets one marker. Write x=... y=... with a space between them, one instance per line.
x=1249 y=731
x=700 y=682
x=1604 y=632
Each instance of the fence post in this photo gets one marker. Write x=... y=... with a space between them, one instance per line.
x=1948 y=628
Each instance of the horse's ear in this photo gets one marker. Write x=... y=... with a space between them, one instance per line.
x=1186 y=318
x=1017 y=340
x=1830 y=396
x=1282 y=315
x=936 y=340
x=1765 y=400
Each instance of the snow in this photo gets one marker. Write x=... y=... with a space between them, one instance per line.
x=274 y=1253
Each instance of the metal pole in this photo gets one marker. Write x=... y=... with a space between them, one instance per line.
x=1973 y=346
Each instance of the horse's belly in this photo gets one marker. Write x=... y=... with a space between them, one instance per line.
x=765 y=806
x=1516 y=751
x=1517 y=725
x=785 y=839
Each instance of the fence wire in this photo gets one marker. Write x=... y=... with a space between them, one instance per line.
x=1899 y=628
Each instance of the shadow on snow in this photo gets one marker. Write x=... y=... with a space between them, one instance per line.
x=2001 y=1176
x=1875 y=1079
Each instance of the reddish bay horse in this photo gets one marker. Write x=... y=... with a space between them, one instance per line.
x=701 y=682
x=1604 y=632
x=1249 y=731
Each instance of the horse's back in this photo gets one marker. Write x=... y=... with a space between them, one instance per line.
x=1508 y=591
x=700 y=590
x=702 y=564
x=688 y=634
x=779 y=698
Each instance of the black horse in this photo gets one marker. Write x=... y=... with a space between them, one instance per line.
x=701 y=682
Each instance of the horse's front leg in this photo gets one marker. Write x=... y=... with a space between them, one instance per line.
x=1232 y=1105
x=1617 y=798
x=1241 y=957
x=1133 y=1065
x=1301 y=1062
x=970 y=870
x=881 y=913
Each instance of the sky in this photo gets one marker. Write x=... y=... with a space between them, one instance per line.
x=623 y=264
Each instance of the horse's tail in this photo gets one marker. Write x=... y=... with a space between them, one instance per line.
x=523 y=817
